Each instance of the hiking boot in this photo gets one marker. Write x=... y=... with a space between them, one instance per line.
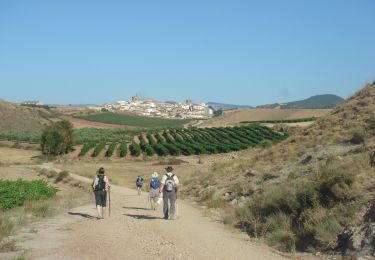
x=165 y=217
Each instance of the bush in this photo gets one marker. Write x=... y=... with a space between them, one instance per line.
x=57 y=138
x=285 y=239
x=358 y=135
x=86 y=147
x=98 y=149
x=61 y=176
x=123 y=149
x=135 y=149
x=111 y=149
x=335 y=182
x=281 y=199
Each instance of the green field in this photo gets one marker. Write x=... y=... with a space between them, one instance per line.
x=138 y=121
x=180 y=141
x=80 y=136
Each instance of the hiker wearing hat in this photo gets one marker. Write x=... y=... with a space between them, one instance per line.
x=153 y=190
x=100 y=187
x=168 y=189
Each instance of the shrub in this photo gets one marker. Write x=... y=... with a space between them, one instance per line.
x=135 y=149
x=98 y=149
x=123 y=149
x=358 y=135
x=280 y=199
x=111 y=149
x=285 y=239
x=61 y=176
x=57 y=138
x=86 y=147
x=335 y=182
x=218 y=203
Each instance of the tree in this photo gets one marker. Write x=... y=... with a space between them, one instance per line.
x=57 y=138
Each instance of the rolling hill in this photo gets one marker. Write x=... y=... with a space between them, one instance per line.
x=22 y=118
x=314 y=102
x=313 y=192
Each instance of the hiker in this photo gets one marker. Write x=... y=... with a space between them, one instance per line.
x=168 y=191
x=100 y=187
x=139 y=183
x=153 y=190
x=372 y=158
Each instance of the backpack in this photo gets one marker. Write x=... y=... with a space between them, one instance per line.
x=169 y=183
x=101 y=183
x=155 y=183
x=139 y=181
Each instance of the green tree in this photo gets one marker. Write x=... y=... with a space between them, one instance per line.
x=57 y=138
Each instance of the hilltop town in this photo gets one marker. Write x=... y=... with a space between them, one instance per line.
x=167 y=109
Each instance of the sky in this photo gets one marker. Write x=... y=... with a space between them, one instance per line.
x=229 y=51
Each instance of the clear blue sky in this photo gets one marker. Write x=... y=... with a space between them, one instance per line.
x=233 y=51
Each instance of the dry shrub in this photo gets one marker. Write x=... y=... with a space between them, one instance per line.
x=280 y=199
x=216 y=204
x=6 y=227
x=61 y=176
x=335 y=182
x=358 y=135
x=250 y=217
x=207 y=195
x=281 y=233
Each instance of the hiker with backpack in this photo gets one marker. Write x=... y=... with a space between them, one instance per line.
x=139 y=183
x=153 y=190
x=100 y=187
x=168 y=191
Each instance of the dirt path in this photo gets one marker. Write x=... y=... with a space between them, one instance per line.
x=135 y=232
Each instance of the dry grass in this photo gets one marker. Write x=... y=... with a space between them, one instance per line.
x=17 y=156
x=235 y=117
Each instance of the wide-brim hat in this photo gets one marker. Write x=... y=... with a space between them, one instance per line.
x=154 y=175
x=169 y=169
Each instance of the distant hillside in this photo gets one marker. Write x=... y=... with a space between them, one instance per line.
x=224 y=107
x=22 y=118
x=314 y=102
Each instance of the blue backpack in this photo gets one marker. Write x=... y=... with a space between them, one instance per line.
x=139 y=181
x=155 y=183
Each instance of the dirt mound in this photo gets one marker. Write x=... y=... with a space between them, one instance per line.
x=22 y=118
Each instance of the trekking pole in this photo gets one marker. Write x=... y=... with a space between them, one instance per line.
x=109 y=201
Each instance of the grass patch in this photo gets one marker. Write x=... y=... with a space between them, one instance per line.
x=42 y=211
x=6 y=227
x=16 y=193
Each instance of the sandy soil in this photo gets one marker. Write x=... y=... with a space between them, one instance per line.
x=235 y=117
x=135 y=232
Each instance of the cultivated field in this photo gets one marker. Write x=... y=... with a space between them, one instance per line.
x=135 y=121
x=234 y=117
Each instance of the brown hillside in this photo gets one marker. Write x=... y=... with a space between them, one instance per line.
x=314 y=191
x=21 y=118
x=230 y=118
